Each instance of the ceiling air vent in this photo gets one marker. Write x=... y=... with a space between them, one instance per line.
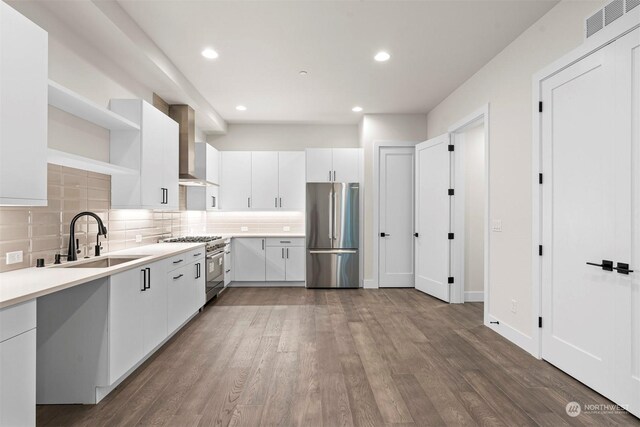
x=631 y=4
x=610 y=13
x=595 y=23
x=613 y=11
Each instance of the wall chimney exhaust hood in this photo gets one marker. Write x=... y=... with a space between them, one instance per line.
x=185 y=116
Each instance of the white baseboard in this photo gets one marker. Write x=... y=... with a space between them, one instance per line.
x=473 y=296
x=370 y=284
x=520 y=339
x=266 y=285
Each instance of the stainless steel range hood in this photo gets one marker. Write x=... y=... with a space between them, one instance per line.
x=185 y=116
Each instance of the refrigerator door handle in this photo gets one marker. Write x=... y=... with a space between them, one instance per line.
x=335 y=226
x=333 y=251
x=331 y=214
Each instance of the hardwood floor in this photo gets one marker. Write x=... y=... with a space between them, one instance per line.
x=298 y=357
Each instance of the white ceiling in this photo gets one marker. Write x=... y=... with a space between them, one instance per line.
x=435 y=47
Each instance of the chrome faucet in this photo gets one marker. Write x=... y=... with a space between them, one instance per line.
x=102 y=231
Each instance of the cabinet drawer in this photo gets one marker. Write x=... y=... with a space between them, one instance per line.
x=285 y=241
x=17 y=319
x=185 y=258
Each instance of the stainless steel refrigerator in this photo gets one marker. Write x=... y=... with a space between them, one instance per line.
x=333 y=233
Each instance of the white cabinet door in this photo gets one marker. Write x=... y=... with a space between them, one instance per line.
x=170 y=160
x=152 y=158
x=236 y=180
x=264 y=180
x=125 y=327
x=213 y=165
x=319 y=165
x=275 y=264
x=295 y=263
x=228 y=266
x=186 y=293
x=23 y=110
x=346 y=162
x=18 y=380
x=291 y=178
x=249 y=259
x=154 y=308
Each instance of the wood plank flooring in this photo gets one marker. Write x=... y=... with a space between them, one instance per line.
x=298 y=357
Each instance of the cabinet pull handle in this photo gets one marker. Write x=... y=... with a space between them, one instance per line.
x=227 y=271
x=282 y=253
x=287 y=253
x=178 y=276
x=148 y=278
x=329 y=175
x=263 y=244
x=285 y=241
x=334 y=175
x=178 y=261
x=276 y=201
x=248 y=202
x=144 y=280
x=280 y=201
x=198 y=254
x=213 y=201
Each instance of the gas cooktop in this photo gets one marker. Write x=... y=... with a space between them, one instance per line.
x=192 y=239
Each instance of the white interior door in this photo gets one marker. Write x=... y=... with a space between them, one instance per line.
x=587 y=197
x=396 y=223
x=433 y=218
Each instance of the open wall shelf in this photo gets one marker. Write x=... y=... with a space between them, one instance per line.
x=62 y=158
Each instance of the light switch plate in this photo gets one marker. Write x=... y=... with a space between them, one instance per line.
x=244 y=228
x=496 y=225
x=286 y=228
x=14 y=257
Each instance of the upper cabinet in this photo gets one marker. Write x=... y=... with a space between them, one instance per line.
x=207 y=168
x=333 y=164
x=23 y=110
x=153 y=150
x=262 y=180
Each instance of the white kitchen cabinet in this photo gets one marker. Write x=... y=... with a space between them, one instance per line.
x=276 y=264
x=126 y=346
x=154 y=306
x=319 y=164
x=207 y=168
x=249 y=262
x=333 y=164
x=295 y=266
x=264 y=180
x=18 y=365
x=152 y=150
x=236 y=180
x=186 y=293
x=228 y=265
x=291 y=181
x=23 y=110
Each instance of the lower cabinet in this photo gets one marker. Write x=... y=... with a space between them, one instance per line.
x=186 y=293
x=269 y=259
x=18 y=365
x=137 y=316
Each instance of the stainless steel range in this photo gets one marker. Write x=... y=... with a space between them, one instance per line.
x=214 y=273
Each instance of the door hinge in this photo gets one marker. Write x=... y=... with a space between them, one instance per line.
x=540 y=250
x=450 y=280
x=451 y=192
x=540 y=178
x=450 y=235
x=451 y=147
x=540 y=107
x=539 y=322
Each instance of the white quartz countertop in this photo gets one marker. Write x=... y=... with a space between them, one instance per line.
x=29 y=283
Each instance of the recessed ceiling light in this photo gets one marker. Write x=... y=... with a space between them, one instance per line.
x=303 y=73
x=356 y=109
x=209 y=53
x=382 y=56
x=241 y=108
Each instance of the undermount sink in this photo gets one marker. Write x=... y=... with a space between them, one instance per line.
x=100 y=263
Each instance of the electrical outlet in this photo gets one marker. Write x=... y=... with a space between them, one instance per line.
x=138 y=238
x=514 y=306
x=244 y=228
x=14 y=257
x=286 y=228
x=496 y=225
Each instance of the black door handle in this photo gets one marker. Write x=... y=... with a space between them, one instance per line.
x=415 y=235
x=623 y=268
x=144 y=280
x=148 y=277
x=385 y=234
x=606 y=265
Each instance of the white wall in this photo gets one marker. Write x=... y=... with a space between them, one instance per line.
x=256 y=137
x=505 y=82
x=383 y=127
x=474 y=197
